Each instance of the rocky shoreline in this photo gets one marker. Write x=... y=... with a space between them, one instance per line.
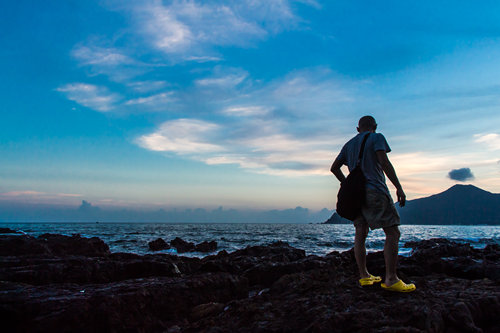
x=71 y=283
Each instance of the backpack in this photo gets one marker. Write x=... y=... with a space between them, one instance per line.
x=352 y=192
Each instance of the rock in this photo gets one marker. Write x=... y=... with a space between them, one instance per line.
x=207 y=309
x=181 y=245
x=45 y=269
x=206 y=246
x=7 y=231
x=149 y=305
x=47 y=284
x=158 y=245
x=52 y=244
x=11 y=245
x=75 y=245
x=453 y=259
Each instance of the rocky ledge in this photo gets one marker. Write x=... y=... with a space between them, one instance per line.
x=59 y=283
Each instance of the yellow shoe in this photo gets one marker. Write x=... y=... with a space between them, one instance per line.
x=400 y=286
x=369 y=281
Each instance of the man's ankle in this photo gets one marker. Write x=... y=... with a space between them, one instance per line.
x=364 y=275
x=390 y=280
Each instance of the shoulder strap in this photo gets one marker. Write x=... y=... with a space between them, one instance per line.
x=360 y=156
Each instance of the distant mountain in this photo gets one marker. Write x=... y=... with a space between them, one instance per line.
x=337 y=219
x=458 y=205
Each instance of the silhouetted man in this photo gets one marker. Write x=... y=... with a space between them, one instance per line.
x=379 y=210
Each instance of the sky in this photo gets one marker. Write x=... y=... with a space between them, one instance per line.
x=240 y=104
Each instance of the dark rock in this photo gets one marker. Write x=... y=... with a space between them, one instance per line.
x=52 y=244
x=151 y=304
x=158 y=245
x=74 y=245
x=181 y=245
x=207 y=309
x=7 y=231
x=45 y=269
x=206 y=246
x=48 y=285
x=11 y=245
x=453 y=259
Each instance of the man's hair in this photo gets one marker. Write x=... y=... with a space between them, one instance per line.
x=367 y=122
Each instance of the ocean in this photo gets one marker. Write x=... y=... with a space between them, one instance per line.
x=317 y=239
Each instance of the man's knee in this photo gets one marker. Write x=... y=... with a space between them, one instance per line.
x=392 y=232
x=362 y=230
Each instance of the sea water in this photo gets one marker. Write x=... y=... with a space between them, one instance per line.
x=317 y=239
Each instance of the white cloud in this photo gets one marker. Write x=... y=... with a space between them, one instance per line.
x=36 y=194
x=147 y=86
x=310 y=91
x=154 y=101
x=94 y=55
x=202 y=59
x=182 y=136
x=159 y=22
x=254 y=145
x=21 y=193
x=265 y=137
x=247 y=111
x=190 y=28
x=109 y=61
x=492 y=140
x=224 y=81
x=91 y=96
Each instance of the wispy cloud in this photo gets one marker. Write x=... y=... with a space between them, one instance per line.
x=311 y=91
x=190 y=29
x=247 y=111
x=94 y=55
x=182 y=136
x=21 y=193
x=160 y=23
x=147 y=86
x=91 y=96
x=156 y=101
x=263 y=138
x=109 y=61
x=264 y=151
x=223 y=81
x=491 y=140
x=30 y=194
x=202 y=59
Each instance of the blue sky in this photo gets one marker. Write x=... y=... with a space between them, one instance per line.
x=241 y=104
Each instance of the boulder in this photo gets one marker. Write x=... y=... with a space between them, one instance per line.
x=181 y=245
x=74 y=245
x=158 y=245
x=206 y=246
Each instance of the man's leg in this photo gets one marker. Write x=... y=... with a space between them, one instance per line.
x=360 y=249
x=392 y=235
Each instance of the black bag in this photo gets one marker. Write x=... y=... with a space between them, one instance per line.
x=352 y=192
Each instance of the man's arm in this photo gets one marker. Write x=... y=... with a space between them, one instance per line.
x=391 y=174
x=335 y=169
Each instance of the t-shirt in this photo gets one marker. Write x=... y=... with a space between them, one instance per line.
x=372 y=169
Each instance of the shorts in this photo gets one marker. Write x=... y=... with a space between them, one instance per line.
x=378 y=211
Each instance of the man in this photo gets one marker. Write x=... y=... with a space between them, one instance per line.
x=379 y=210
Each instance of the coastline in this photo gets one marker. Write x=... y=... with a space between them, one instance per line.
x=60 y=283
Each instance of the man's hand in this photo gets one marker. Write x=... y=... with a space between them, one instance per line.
x=401 y=197
x=391 y=174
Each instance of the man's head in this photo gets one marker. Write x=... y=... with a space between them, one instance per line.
x=367 y=123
